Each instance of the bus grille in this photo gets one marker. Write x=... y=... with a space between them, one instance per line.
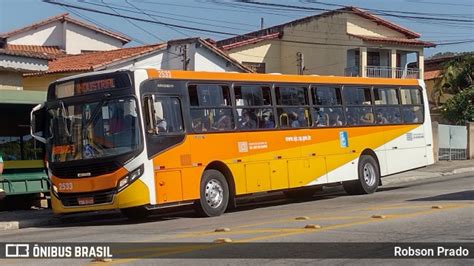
x=100 y=197
x=93 y=169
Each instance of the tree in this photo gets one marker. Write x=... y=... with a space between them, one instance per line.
x=456 y=75
x=460 y=108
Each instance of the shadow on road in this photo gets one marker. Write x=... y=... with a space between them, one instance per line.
x=461 y=195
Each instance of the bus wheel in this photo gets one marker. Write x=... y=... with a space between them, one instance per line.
x=369 y=177
x=214 y=194
x=136 y=213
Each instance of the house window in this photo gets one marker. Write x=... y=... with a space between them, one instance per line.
x=257 y=67
x=373 y=59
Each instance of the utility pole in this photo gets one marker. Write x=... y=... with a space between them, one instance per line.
x=261 y=23
x=300 y=63
x=183 y=51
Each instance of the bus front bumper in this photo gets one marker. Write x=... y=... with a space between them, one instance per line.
x=136 y=194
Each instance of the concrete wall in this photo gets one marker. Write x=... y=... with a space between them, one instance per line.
x=326 y=59
x=10 y=80
x=434 y=129
x=361 y=26
x=79 y=38
x=470 y=140
x=72 y=38
x=49 y=34
x=41 y=83
x=268 y=52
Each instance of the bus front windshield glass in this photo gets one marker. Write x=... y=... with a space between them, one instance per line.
x=93 y=130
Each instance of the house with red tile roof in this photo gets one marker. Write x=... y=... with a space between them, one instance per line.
x=28 y=49
x=200 y=56
x=68 y=34
x=346 y=41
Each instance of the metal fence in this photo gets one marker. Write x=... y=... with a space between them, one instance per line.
x=383 y=72
x=452 y=142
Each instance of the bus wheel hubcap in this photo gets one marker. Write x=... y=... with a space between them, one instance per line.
x=369 y=174
x=214 y=193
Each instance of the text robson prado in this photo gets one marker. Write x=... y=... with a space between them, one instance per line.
x=439 y=251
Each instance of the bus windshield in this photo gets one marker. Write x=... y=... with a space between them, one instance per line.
x=93 y=130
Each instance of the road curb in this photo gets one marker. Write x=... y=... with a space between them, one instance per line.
x=391 y=180
x=13 y=225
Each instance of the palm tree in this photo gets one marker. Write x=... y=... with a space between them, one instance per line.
x=456 y=75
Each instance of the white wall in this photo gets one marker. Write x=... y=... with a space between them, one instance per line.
x=79 y=38
x=49 y=34
x=201 y=59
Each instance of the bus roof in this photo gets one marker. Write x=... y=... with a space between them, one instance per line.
x=230 y=76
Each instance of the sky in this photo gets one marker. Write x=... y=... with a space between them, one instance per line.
x=453 y=20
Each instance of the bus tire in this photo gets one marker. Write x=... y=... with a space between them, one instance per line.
x=136 y=213
x=369 y=176
x=214 y=194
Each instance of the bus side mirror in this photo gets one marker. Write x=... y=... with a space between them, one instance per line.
x=37 y=123
x=150 y=114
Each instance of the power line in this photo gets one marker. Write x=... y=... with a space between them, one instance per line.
x=390 y=11
x=135 y=18
x=212 y=31
x=141 y=11
x=98 y=23
x=134 y=24
x=251 y=2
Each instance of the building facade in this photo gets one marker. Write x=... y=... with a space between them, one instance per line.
x=344 y=42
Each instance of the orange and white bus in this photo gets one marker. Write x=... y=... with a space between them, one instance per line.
x=144 y=139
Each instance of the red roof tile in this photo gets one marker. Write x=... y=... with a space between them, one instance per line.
x=95 y=60
x=431 y=74
x=390 y=40
x=49 y=50
x=65 y=17
x=252 y=41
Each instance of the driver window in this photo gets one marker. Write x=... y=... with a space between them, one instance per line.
x=167 y=115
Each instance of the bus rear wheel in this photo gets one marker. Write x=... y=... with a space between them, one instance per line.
x=369 y=177
x=214 y=193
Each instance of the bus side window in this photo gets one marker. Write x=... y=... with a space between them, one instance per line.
x=358 y=101
x=163 y=115
x=387 y=110
x=328 y=110
x=211 y=107
x=412 y=105
x=292 y=106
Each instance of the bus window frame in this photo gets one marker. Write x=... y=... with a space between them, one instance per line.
x=231 y=106
x=399 y=105
x=243 y=107
x=422 y=104
x=146 y=112
x=307 y=87
x=312 y=89
x=371 y=105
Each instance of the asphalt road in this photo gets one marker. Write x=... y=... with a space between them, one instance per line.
x=405 y=212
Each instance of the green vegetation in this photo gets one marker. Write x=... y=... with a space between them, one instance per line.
x=457 y=78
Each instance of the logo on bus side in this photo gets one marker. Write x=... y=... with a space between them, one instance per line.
x=343 y=139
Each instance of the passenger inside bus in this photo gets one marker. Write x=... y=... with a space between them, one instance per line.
x=224 y=123
x=335 y=119
x=267 y=121
x=247 y=121
x=294 y=122
x=367 y=117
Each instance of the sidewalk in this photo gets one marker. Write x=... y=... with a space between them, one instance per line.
x=10 y=220
x=439 y=169
x=41 y=217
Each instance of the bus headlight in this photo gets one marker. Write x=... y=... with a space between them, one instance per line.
x=128 y=179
